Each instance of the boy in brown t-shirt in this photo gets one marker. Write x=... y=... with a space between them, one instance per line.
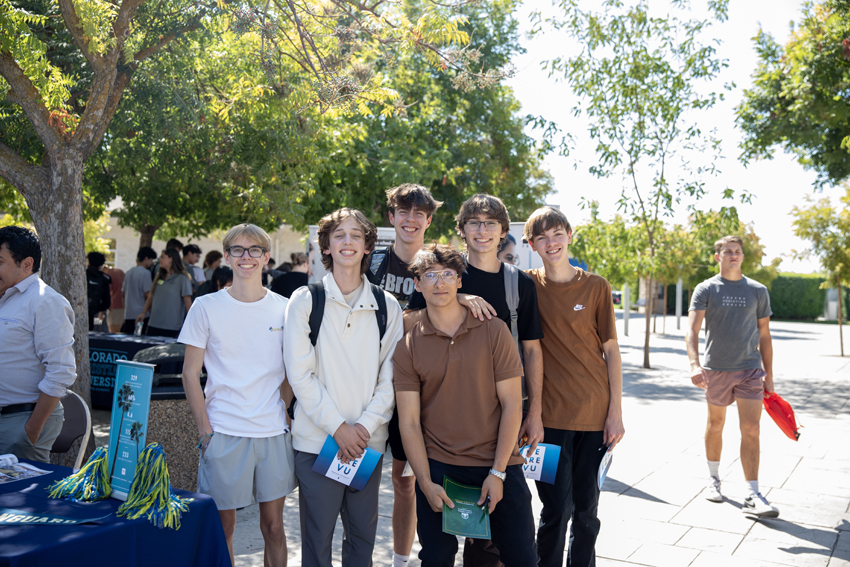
x=582 y=389
x=460 y=407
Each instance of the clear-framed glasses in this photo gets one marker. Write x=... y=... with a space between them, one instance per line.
x=429 y=279
x=488 y=225
x=239 y=251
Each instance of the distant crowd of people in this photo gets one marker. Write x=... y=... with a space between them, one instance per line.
x=154 y=296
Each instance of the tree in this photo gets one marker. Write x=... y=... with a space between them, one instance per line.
x=827 y=228
x=453 y=139
x=65 y=67
x=611 y=249
x=201 y=143
x=799 y=96
x=124 y=399
x=641 y=81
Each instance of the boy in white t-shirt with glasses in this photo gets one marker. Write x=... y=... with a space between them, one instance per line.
x=245 y=444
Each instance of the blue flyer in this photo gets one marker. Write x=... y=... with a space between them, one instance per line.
x=354 y=474
x=129 y=424
x=543 y=464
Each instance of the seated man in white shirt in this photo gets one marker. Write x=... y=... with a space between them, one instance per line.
x=36 y=350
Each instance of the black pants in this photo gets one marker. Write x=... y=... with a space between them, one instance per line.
x=511 y=524
x=574 y=495
x=157 y=332
x=129 y=326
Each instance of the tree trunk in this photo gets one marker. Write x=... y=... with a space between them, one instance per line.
x=647 y=308
x=146 y=233
x=57 y=213
x=840 y=330
x=664 y=312
x=654 y=306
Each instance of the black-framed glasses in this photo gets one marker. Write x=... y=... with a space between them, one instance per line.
x=239 y=251
x=488 y=225
x=429 y=279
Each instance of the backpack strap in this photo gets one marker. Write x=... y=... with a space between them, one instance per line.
x=317 y=291
x=512 y=299
x=381 y=313
x=378 y=261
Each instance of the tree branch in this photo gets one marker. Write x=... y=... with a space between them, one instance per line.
x=24 y=94
x=89 y=142
x=72 y=22
x=23 y=175
x=143 y=54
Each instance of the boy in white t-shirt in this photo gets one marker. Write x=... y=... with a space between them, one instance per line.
x=246 y=447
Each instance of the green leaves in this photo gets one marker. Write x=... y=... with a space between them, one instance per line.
x=827 y=228
x=799 y=100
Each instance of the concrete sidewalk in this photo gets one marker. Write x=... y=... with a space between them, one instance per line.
x=652 y=508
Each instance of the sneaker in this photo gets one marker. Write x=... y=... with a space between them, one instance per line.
x=712 y=491
x=757 y=505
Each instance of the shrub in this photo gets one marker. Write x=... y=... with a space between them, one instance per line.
x=797 y=296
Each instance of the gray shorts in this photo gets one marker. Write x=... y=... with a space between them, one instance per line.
x=237 y=471
x=724 y=387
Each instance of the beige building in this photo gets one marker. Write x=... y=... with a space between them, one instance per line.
x=124 y=244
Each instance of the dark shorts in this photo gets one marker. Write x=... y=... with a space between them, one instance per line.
x=394 y=439
x=724 y=387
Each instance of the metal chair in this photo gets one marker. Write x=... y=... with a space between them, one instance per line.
x=77 y=424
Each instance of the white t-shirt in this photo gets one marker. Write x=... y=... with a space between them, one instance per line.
x=243 y=356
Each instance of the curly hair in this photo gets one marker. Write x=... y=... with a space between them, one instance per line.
x=431 y=254
x=329 y=223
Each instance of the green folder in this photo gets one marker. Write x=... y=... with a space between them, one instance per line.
x=467 y=518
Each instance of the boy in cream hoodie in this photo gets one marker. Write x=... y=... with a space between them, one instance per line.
x=344 y=389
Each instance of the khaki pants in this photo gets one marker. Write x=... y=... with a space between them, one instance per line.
x=13 y=436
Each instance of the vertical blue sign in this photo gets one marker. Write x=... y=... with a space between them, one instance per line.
x=129 y=425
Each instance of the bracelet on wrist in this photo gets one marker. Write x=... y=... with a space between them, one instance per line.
x=208 y=437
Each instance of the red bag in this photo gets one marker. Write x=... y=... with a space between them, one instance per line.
x=782 y=414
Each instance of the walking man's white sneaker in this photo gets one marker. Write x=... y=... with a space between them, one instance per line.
x=712 y=491
x=757 y=505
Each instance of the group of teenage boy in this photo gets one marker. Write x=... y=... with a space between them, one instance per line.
x=456 y=384
x=447 y=359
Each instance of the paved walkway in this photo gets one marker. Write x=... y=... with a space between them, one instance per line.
x=652 y=509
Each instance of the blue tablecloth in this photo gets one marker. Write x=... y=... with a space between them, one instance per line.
x=117 y=541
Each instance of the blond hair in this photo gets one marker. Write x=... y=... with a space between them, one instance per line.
x=251 y=232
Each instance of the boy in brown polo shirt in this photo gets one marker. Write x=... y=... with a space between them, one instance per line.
x=460 y=407
x=582 y=389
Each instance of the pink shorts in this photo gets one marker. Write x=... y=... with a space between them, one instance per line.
x=724 y=387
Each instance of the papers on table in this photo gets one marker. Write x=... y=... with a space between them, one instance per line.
x=11 y=470
x=354 y=474
x=543 y=464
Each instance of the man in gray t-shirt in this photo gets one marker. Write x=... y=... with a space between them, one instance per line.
x=738 y=364
x=136 y=287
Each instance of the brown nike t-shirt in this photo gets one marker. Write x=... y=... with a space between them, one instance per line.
x=456 y=379
x=577 y=317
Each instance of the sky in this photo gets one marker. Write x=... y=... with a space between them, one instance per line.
x=776 y=185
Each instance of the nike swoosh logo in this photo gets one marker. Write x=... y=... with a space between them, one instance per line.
x=578 y=307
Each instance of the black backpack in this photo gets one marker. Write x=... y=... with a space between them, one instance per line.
x=317 y=293
x=98 y=287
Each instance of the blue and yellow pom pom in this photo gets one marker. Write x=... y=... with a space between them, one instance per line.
x=151 y=494
x=89 y=484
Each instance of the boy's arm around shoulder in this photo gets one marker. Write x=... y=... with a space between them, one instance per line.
x=302 y=361
x=380 y=408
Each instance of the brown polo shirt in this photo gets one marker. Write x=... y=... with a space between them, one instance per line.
x=577 y=317
x=456 y=380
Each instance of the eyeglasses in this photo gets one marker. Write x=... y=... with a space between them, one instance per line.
x=473 y=225
x=429 y=279
x=239 y=251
